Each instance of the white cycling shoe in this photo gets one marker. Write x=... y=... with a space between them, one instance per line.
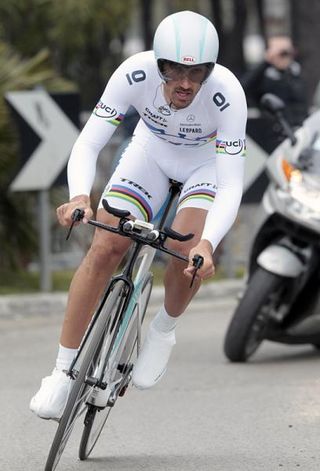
x=153 y=358
x=49 y=402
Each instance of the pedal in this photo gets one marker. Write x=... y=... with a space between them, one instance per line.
x=127 y=382
x=123 y=390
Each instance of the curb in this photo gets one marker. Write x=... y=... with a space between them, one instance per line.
x=44 y=304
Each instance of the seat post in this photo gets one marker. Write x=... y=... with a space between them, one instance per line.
x=174 y=191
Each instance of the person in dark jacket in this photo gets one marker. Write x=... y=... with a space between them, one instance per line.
x=279 y=74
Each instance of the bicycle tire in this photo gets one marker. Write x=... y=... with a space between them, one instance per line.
x=246 y=329
x=96 y=418
x=80 y=391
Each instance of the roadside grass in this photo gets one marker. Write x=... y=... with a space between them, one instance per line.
x=29 y=282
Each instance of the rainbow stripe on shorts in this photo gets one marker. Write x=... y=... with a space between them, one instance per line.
x=131 y=196
x=207 y=195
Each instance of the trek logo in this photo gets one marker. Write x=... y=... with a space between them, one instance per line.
x=103 y=111
x=136 y=185
x=188 y=60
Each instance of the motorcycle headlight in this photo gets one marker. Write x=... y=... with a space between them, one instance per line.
x=304 y=194
x=291 y=173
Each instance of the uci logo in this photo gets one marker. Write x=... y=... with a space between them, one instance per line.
x=234 y=147
x=104 y=111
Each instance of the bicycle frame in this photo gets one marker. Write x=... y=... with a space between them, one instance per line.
x=133 y=287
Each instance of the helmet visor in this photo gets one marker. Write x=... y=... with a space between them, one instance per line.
x=174 y=71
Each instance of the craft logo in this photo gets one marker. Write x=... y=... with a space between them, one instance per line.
x=156 y=118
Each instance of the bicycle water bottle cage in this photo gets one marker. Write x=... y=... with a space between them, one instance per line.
x=120 y=213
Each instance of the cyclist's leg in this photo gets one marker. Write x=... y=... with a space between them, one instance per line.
x=160 y=338
x=100 y=262
x=178 y=293
x=195 y=200
x=104 y=255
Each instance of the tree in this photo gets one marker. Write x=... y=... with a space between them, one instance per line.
x=231 y=35
x=307 y=39
x=84 y=37
x=147 y=28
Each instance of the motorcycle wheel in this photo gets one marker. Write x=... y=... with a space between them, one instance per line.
x=250 y=320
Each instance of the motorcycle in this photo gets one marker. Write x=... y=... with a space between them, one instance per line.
x=281 y=298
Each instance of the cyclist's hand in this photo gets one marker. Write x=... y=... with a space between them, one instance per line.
x=65 y=211
x=207 y=270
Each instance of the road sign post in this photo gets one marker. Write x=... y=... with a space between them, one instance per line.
x=57 y=134
x=45 y=241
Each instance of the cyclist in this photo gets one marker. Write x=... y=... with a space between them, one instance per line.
x=191 y=129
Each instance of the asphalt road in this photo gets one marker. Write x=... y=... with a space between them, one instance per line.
x=206 y=414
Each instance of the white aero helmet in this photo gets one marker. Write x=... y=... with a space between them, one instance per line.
x=186 y=38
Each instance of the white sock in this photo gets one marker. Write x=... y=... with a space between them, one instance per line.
x=163 y=322
x=65 y=357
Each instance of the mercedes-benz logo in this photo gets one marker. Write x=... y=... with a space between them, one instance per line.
x=191 y=118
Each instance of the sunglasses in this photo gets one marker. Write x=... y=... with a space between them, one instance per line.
x=174 y=71
x=286 y=53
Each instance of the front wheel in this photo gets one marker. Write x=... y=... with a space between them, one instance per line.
x=85 y=367
x=252 y=317
x=122 y=354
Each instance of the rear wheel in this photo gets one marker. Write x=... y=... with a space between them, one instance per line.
x=251 y=319
x=84 y=368
x=122 y=363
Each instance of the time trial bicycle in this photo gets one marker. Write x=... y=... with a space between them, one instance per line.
x=102 y=368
